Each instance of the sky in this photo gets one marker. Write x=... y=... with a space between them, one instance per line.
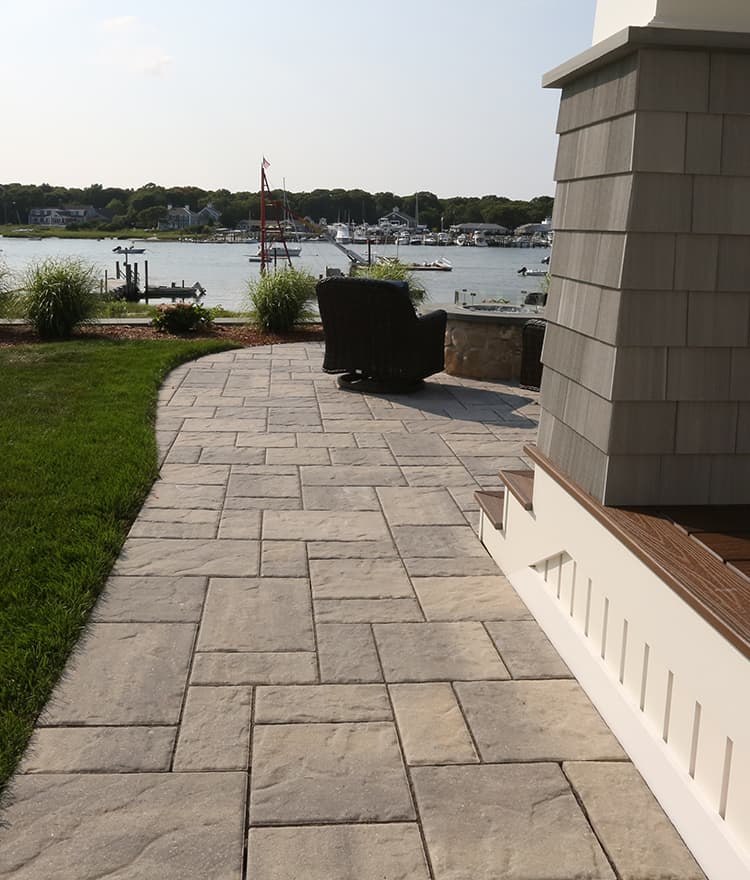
x=384 y=95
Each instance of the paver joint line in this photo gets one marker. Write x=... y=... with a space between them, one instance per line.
x=304 y=655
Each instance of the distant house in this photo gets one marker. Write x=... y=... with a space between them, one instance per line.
x=471 y=228
x=182 y=218
x=62 y=216
x=534 y=228
x=397 y=218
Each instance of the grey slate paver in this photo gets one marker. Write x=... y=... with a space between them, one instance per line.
x=518 y=821
x=100 y=749
x=305 y=773
x=124 y=673
x=312 y=525
x=526 y=651
x=257 y=614
x=321 y=703
x=229 y=557
x=160 y=599
x=366 y=610
x=432 y=728
x=632 y=827
x=535 y=721
x=469 y=598
x=215 y=729
x=437 y=652
x=256 y=667
x=359 y=579
x=339 y=852
x=419 y=506
x=347 y=653
x=438 y=541
x=175 y=826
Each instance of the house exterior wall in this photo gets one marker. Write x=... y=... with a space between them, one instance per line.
x=646 y=389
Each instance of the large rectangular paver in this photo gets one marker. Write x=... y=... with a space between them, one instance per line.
x=257 y=614
x=338 y=852
x=242 y=668
x=124 y=673
x=227 y=557
x=322 y=703
x=518 y=822
x=536 y=721
x=411 y=506
x=437 y=652
x=366 y=610
x=329 y=525
x=359 y=579
x=437 y=541
x=352 y=475
x=159 y=599
x=174 y=826
x=305 y=773
x=469 y=598
x=99 y=750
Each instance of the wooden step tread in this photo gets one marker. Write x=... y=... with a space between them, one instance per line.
x=521 y=485
x=675 y=543
x=493 y=505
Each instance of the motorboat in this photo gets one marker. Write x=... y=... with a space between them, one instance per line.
x=531 y=272
x=277 y=249
x=479 y=239
x=128 y=250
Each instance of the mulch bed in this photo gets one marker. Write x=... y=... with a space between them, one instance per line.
x=19 y=334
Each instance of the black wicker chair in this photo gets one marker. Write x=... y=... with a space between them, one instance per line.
x=374 y=336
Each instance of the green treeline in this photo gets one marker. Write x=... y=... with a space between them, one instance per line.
x=145 y=206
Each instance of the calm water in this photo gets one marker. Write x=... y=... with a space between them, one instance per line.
x=224 y=269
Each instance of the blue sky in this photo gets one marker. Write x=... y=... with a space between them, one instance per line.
x=388 y=95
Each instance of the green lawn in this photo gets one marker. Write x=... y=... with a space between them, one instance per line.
x=78 y=457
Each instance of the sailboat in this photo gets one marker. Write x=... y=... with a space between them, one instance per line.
x=270 y=251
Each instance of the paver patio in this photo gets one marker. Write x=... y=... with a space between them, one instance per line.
x=305 y=666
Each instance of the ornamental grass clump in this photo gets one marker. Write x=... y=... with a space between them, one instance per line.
x=8 y=296
x=58 y=295
x=392 y=270
x=279 y=298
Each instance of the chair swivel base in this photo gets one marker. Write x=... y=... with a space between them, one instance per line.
x=357 y=381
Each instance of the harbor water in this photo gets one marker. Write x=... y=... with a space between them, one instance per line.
x=224 y=270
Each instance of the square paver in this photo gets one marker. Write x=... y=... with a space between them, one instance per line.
x=347 y=653
x=437 y=652
x=124 y=673
x=536 y=721
x=338 y=852
x=175 y=826
x=526 y=651
x=518 y=822
x=304 y=773
x=257 y=614
x=469 y=598
x=359 y=579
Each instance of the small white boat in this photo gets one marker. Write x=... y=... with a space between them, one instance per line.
x=277 y=249
x=531 y=272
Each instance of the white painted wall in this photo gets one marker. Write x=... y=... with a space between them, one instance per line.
x=719 y=15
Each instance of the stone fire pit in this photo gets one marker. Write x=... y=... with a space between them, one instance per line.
x=485 y=341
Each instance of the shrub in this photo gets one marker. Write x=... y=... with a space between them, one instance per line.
x=59 y=295
x=392 y=270
x=182 y=318
x=279 y=298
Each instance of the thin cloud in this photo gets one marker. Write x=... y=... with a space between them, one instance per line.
x=151 y=62
x=119 y=24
